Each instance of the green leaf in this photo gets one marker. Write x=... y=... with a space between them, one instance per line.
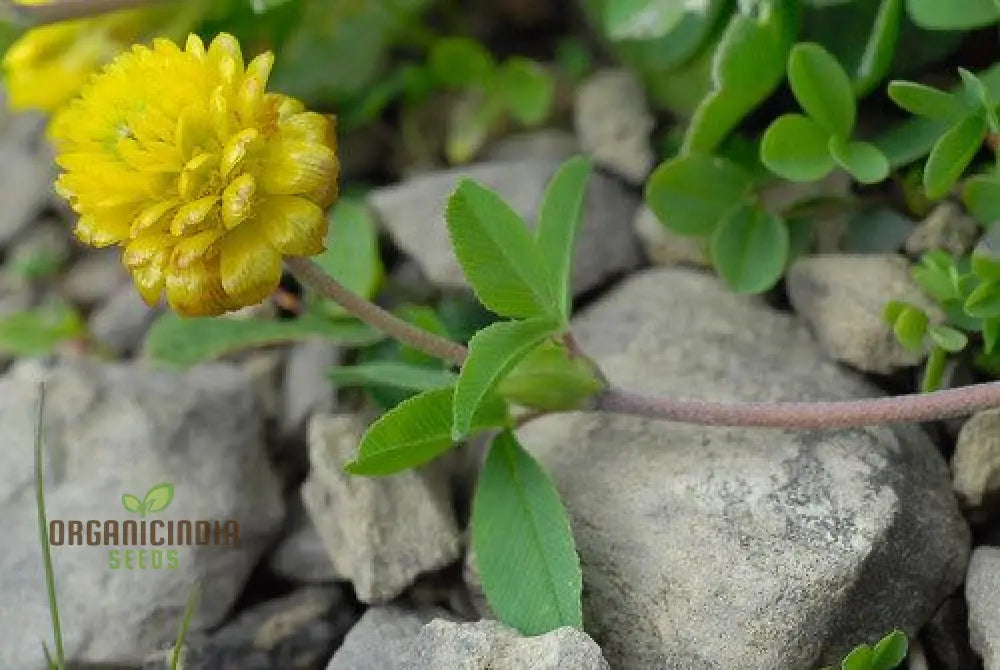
x=937 y=361
x=691 y=194
x=158 y=498
x=549 y=378
x=131 y=503
x=493 y=351
x=38 y=331
x=947 y=338
x=984 y=301
x=796 y=147
x=527 y=88
x=952 y=14
x=749 y=250
x=822 y=88
x=416 y=431
x=978 y=96
x=181 y=342
x=890 y=652
x=558 y=223
x=893 y=310
x=523 y=543
x=748 y=64
x=392 y=374
x=926 y=101
x=991 y=334
x=641 y=19
x=498 y=254
x=881 y=47
x=351 y=256
x=981 y=196
x=459 y=62
x=934 y=275
x=952 y=154
x=472 y=119
x=910 y=327
x=859 y=659
x=862 y=160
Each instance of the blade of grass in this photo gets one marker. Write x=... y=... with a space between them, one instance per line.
x=43 y=534
x=192 y=604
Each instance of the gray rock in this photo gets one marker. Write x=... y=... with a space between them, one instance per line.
x=488 y=644
x=42 y=248
x=550 y=144
x=413 y=213
x=614 y=123
x=947 y=227
x=94 y=278
x=841 y=297
x=975 y=465
x=306 y=389
x=664 y=246
x=381 y=533
x=712 y=548
x=380 y=639
x=26 y=174
x=301 y=556
x=120 y=323
x=265 y=369
x=945 y=638
x=112 y=430
x=981 y=587
x=300 y=630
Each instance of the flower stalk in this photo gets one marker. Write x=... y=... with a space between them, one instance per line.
x=783 y=415
x=311 y=275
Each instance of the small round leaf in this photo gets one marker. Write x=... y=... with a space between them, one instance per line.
x=750 y=249
x=926 y=101
x=890 y=651
x=984 y=301
x=692 y=193
x=796 y=148
x=822 y=88
x=947 y=338
x=862 y=160
x=460 y=62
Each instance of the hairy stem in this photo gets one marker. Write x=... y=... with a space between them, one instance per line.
x=807 y=415
x=65 y=10
x=314 y=277
x=803 y=415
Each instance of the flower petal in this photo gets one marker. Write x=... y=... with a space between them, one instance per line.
x=294 y=226
x=249 y=266
x=196 y=290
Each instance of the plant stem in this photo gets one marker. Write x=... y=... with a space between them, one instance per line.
x=806 y=415
x=65 y=10
x=803 y=415
x=314 y=277
x=43 y=535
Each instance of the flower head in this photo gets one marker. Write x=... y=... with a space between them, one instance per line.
x=182 y=158
x=48 y=65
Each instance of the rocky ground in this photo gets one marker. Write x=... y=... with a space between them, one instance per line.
x=714 y=549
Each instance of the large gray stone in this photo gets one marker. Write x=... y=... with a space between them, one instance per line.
x=614 y=123
x=121 y=322
x=112 y=430
x=381 y=638
x=842 y=296
x=381 y=533
x=413 y=213
x=717 y=548
x=487 y=644
x=947 y=227
x=306 y=388
x=982 y=585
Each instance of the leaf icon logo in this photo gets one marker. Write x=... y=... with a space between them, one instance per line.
x=157 y=499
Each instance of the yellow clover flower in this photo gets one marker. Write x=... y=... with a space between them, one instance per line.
x=206 y=180
x=48 y=65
